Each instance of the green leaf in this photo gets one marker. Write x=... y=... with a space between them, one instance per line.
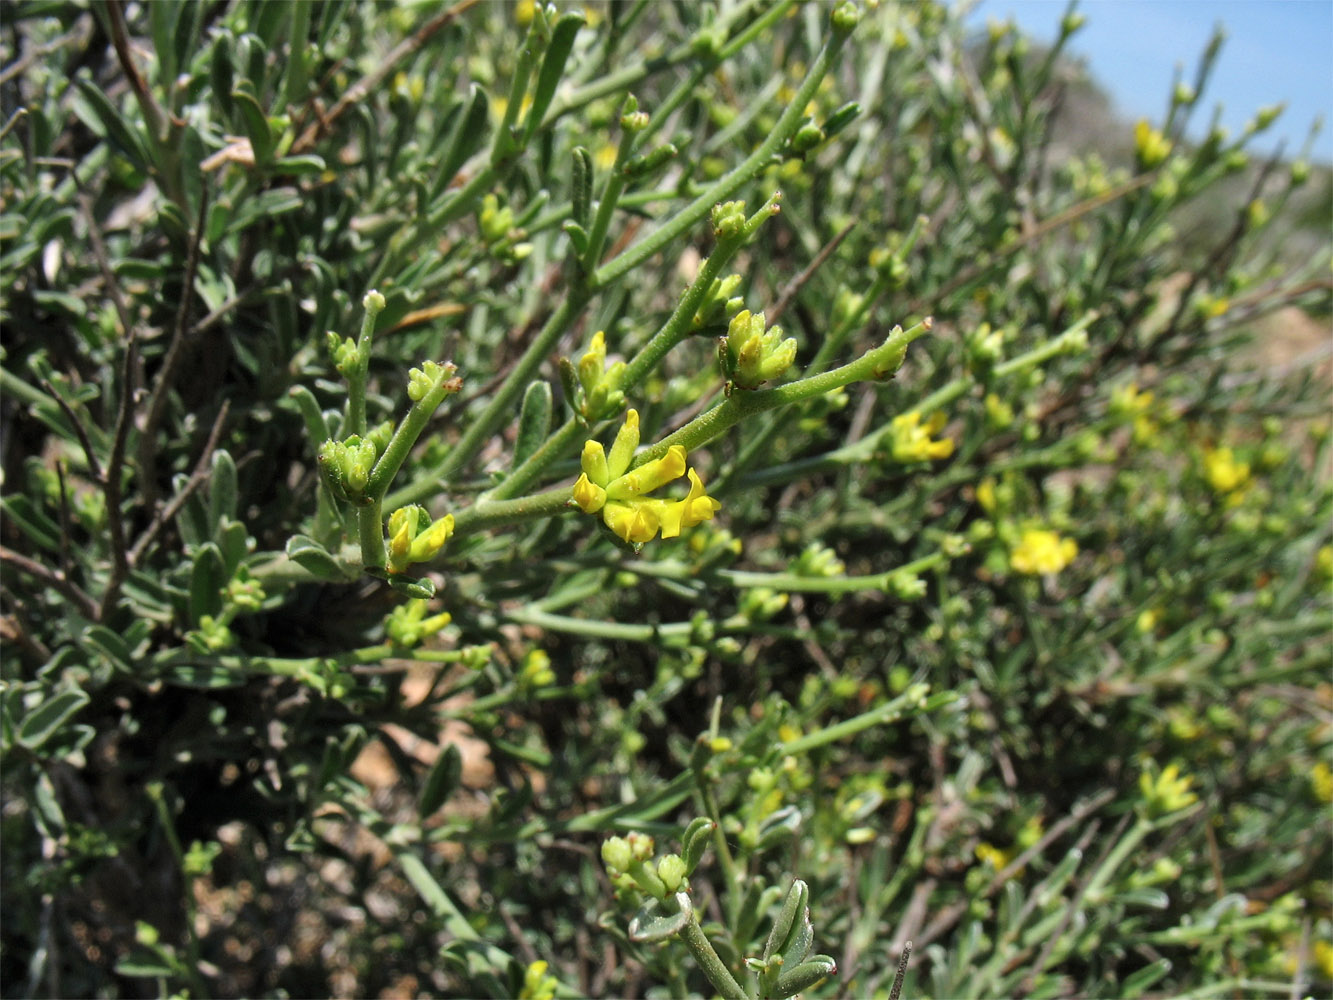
x=42 y=722
x=299 y=166
x=553 y=68
x=100 y=115
x=222 y=72
x=581 y=188
x=274 y=202
x=162 y=20
x=653 y=922
x=1137 y=983
x=316 y=427
x=23 y=514
x=804 y=976
x=234 y=542
x=255 y=121
x=466 y=137
x=423 y=588
x=441 y=782
x=207 y=578
x=221 y=489
x=146 y=962
x=312 y=556
x=534 y=421
x=111 y=646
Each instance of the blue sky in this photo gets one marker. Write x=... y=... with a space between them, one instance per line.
x=1275 y=50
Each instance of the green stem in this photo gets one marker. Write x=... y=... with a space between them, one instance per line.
x=495 y=513
x=1113 y=860
x=611 y=192
x=673 y=331
x=357 y=377
x=168 y=825
x=913 y=698
x=370 y=533
x=864 y=449
x=879 y=363
x=405 y=437
x=713 y=967
x=729 y=184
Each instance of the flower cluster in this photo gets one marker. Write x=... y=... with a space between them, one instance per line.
x=910 y=440
x=608 y=486
x=752 y=353
x=1040 y=550
x=414 y=537
x=1227 y=476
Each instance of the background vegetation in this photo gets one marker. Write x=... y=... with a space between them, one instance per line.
x=1020 y=654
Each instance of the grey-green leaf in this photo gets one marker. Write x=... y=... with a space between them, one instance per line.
x=43 y=721
x=653 y=923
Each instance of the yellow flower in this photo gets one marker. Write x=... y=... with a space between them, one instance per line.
x=1323 y=957
x=911 y=441
x=1167 y=793
x=1224 y=474
x=537 y=985
x=1150 y=144
x=986 y=494
x=1040 y=550
x=1321 y=779
x=608 y=485
x=989 y=854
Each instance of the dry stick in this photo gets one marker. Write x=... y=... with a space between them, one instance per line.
x=197 y=479
x=57 y=580
x=901 y=974
x=796 y=284
x=147 y=102
x=358 y=91
x=64 y=520
x=111 y=481
x=166 y=376
x=79 y=430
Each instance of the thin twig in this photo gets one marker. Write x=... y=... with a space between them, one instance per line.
x=796 y=284
x=166 y=376
x=197 y=479
x=52 y=577
x=111 y=481
x=79 y=430
x=152 y=111
x=358 y=91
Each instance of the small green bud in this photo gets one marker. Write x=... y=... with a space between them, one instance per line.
x=616 y=854
x=373 y=302
x=671 y=870
x=641 y=845
x=846 y=15
x=807 y=137
x=631 y=119
x=494 y=221
x=728 y=219
x=346 y=357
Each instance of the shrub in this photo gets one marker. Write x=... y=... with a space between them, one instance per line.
x=508 y=502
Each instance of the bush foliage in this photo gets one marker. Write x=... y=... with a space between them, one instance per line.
x=647 y=499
